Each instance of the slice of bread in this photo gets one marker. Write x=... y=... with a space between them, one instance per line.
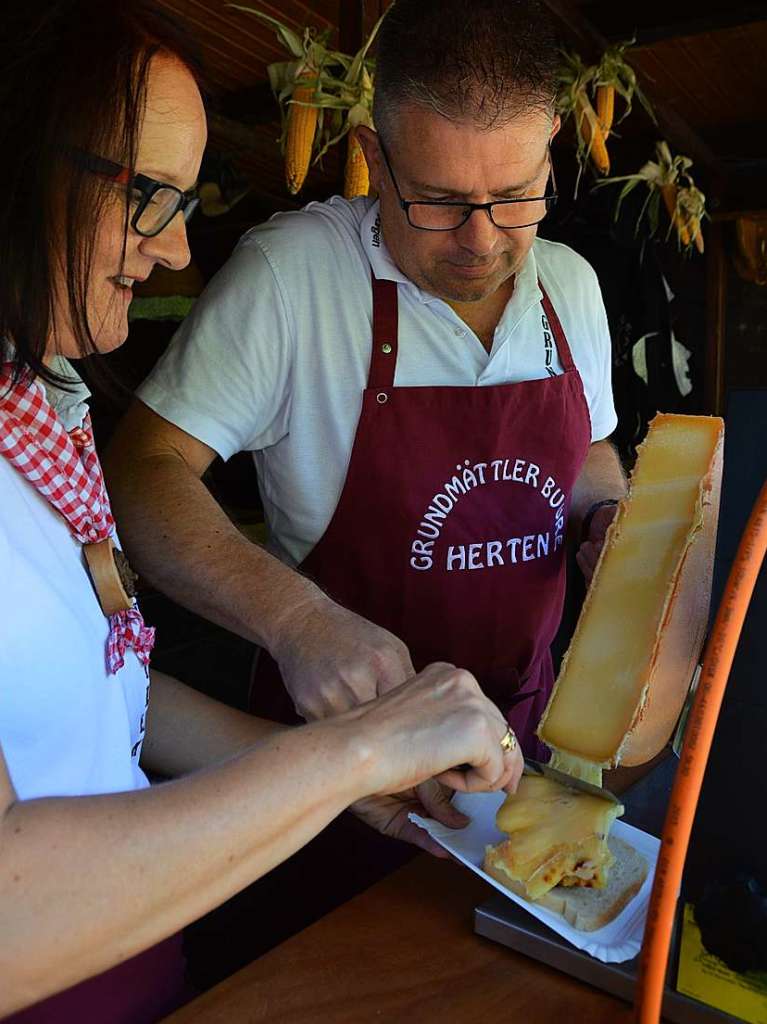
x=585 y=909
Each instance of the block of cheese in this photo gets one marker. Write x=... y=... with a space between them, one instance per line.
x=625 y=676
x=557 y=836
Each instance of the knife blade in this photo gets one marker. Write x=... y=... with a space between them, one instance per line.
x=536 y=768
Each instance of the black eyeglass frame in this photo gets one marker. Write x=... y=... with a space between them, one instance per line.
x=406 y=204
x=148 y=187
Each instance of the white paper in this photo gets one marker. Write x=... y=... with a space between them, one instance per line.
x=616 y=942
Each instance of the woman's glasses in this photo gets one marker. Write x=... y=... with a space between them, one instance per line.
x=154 y=203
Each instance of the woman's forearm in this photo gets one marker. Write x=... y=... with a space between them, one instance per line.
x=187 y=731
x=87 y=882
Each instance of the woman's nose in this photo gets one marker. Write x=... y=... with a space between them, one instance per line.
x=171 y=246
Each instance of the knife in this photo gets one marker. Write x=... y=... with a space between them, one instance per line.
x=569 y=781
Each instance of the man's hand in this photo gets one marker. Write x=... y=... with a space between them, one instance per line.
x=331 y=660
x=591 y=548
x=389 y=814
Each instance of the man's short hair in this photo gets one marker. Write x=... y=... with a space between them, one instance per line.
x=483 y=62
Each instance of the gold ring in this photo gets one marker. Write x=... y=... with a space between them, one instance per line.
x=509 y=742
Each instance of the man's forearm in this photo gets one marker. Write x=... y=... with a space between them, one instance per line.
x=178 y=537
x=601 y=478
x=181 y=541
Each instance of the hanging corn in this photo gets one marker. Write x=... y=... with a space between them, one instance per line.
x=573 y=101
x=356 y=174
x=668 y=178
x=613 y=75
x=605 y=107
x=300 y=130
x=298 y=88
x=591 y=132
x=692 y=203
x=670 y=195
x=352 y=106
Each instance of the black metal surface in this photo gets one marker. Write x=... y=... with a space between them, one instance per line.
x=501 y=920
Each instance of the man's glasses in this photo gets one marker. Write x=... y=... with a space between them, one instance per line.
x=155 y=202
x=448 y=215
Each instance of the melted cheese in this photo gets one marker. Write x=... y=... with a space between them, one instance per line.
x=556 y=836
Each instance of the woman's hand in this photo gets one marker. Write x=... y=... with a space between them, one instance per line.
x=427 y=728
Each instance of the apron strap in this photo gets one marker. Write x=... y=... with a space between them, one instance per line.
x=384 y=356
x=563 y=349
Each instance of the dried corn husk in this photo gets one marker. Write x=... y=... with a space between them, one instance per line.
x=613 y=75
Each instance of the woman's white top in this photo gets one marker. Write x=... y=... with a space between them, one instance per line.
x=67 y=727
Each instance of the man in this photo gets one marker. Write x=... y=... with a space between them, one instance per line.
x=425 y=388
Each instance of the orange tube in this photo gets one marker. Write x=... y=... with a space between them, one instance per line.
x=720 y=651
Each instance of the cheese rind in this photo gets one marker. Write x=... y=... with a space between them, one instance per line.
x=624 y=678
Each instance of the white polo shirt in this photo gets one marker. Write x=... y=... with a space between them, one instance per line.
x=275 y=355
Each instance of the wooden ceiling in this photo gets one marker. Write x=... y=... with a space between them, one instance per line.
x=702 y=63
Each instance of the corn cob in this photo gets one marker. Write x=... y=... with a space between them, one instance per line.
x=605 y=103
x=356 y=176
x=697 y=234
x=669 y=193
x=591 y=132
x=299 y=138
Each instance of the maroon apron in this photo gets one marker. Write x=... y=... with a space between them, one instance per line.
x=141 y=990
x=450 y=528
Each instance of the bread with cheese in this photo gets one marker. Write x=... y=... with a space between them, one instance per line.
x=585 y=908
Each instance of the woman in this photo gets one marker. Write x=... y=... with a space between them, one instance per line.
x=102 y=134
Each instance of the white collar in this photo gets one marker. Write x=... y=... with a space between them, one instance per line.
x=71 y=406
x=526 y=290
x=381 y=263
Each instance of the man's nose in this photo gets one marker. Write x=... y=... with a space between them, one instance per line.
x=478 y=233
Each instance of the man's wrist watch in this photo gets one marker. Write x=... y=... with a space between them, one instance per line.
x=586 y=524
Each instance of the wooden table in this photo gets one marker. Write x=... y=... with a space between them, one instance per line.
x=402 y=951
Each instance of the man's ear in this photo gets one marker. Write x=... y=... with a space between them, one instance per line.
x=368 y=139
x=556 y=124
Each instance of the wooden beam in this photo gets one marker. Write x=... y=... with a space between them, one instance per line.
x=656 y=20
x=716 y=305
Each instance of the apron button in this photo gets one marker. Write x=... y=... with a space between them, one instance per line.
x=386 y=348
x=382 y=398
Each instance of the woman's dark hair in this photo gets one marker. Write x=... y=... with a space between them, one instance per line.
x=482 y=61
x=73 y=77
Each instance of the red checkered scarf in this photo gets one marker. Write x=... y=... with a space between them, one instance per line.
x=65 y=469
